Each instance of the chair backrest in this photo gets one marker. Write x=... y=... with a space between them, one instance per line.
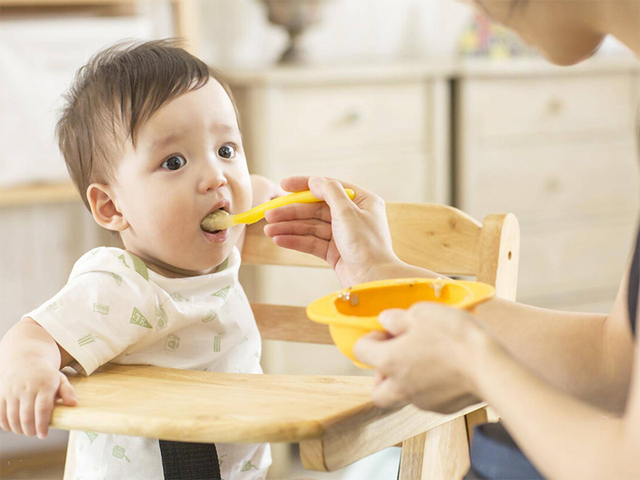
x=436 y=237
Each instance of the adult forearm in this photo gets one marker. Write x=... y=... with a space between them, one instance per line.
x=561 y=435
x=578 y=353
x=398 y=269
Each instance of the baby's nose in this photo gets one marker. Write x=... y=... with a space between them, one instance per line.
x=212 y=179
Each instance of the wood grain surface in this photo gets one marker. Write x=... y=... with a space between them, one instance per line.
x=194 y=406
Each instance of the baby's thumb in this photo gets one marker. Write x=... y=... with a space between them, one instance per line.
x=66 y=392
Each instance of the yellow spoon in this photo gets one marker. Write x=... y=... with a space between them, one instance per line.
x=219 y=220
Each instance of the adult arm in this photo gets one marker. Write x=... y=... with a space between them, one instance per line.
x=586 y=355
x=440 y=358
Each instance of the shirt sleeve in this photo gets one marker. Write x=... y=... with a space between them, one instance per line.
x=107 y=306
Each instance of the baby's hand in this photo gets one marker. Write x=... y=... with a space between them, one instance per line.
x=28 y=391
x=264 y=190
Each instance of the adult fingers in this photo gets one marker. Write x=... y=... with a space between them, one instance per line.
x=306 y=244
x=364 y=198
x=314 y=228
x=299 y=211
x=387 y=394
x=13 y=415
x=43 y=407
x=67 y=392
x=395 y=321
x=296 y=183
x=27 y=420
x=333 y=193
x=300 y=183
x=372 y=349
x=4 y=422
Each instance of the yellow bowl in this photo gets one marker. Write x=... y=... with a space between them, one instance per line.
x=353 y=312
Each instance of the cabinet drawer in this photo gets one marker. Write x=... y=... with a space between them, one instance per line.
x=570 y=258
x=395 y=179
x=330 y=118
x=553 y=105
x=552 y=182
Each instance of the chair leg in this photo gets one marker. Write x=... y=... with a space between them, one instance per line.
x=70 y=460
x=412 y=458
x=440 y=453
x=474 y=418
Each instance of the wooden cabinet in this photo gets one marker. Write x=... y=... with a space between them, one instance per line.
x=510 y=107
x=559 y=148
x=335 y=119
x=556 y=146
x=386 y=129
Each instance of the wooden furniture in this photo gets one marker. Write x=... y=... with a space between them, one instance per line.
x=556 y=143
x=185 y=13
x=354 y=123
x=384 y=127
x=558 y=148
x=44 y=228
x=36 y=194
x=332 y=418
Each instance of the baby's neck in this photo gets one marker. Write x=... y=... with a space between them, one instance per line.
x=167 y=270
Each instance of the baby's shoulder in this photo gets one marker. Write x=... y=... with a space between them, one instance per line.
x=112 y=260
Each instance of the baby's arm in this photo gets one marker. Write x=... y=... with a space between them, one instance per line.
x=30 y=379
x=263 y=191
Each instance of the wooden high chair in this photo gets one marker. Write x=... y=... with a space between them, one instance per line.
x=331 y=417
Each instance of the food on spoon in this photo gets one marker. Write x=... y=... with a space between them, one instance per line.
x=216 y=221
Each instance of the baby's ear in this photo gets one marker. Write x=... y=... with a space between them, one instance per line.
x=103 y=208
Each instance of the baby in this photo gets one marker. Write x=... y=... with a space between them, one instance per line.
x=151 y=139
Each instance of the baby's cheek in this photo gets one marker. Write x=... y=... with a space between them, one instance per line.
x=241 y=191
x=245 y=203
x=170 y=221
x=167 y=216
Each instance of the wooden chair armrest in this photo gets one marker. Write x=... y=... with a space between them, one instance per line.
x=283 y=322
x=369 y=431
x=500 y=254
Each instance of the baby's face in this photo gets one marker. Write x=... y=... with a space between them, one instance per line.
x=188 y=161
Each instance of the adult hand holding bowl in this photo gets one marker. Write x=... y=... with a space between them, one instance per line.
x=353 y=312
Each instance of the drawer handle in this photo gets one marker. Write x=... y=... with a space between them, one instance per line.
x=552 y=185
x=555 y=106
x=354 y=116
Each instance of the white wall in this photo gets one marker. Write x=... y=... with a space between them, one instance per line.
x=238 y=32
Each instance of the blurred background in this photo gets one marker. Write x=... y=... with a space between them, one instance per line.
x=415 y=100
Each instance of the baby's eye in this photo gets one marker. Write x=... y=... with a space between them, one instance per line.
x=174 y=163
x=226 y=151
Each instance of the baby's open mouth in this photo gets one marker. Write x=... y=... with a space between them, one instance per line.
x=214 y=222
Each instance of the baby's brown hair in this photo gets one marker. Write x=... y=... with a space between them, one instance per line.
x=114 y=94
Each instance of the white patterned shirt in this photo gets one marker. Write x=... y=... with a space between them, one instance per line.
x=114 y=309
